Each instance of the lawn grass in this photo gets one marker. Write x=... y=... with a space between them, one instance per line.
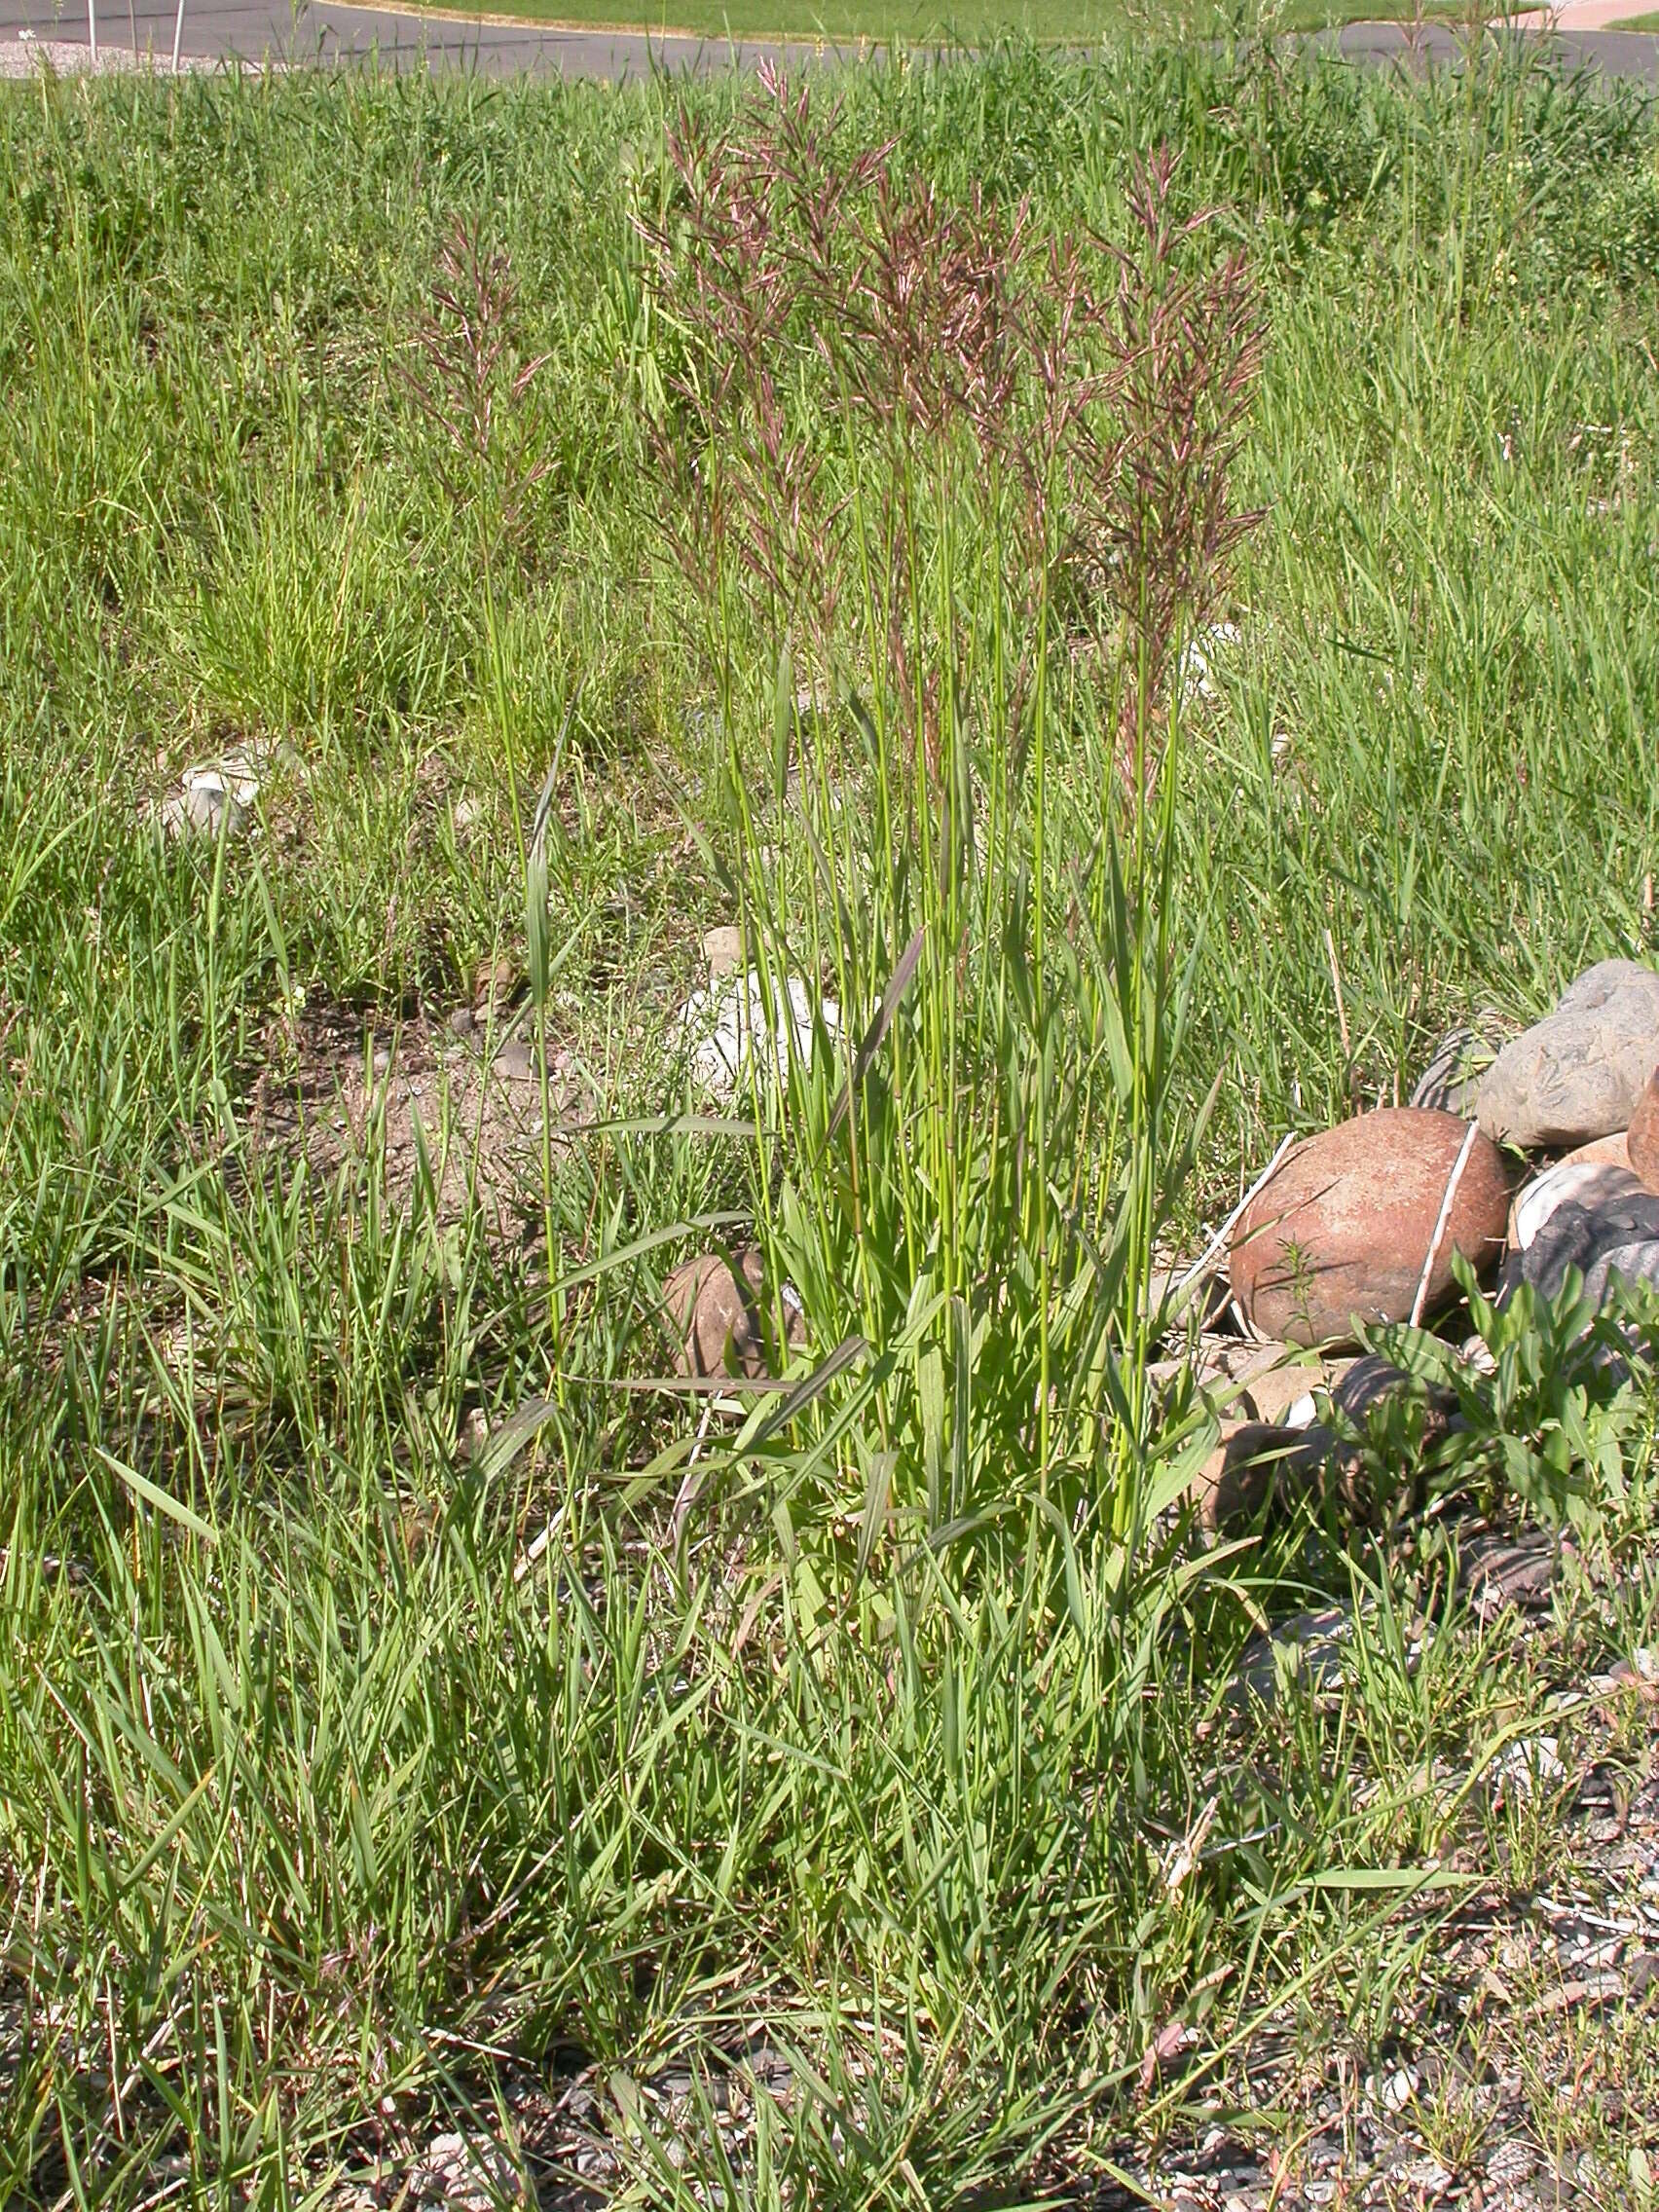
x=928 y=28
x=409 y=1722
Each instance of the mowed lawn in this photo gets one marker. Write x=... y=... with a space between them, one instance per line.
x=924 y=25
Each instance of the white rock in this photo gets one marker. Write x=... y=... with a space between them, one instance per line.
x=1394 y=2091
x=723 y=1023
x=1571 y=1182
x=1203 y=657
x=467 y=2177
x=1477 y=1354
x=1526 y=1765
x=211 y=793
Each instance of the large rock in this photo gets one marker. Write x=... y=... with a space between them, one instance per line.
x=1601 y=1151
x=1602 y=1222
x=1451 y=1080
x=1586 y=1182
x=1255 y=1462
x=715 y=1309
x=721 y=1318
x=1259 y=1461
x=1341 y=1234
x=1285 y=1390
x=1581 y=1072
x=726 y=1025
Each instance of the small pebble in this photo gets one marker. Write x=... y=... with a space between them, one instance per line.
x=1397 y=2091
x=514 y=1061
x=1510 y=2164
x=723 y=950
x=461 y=1022
x=495 y=981
x=382 y=1060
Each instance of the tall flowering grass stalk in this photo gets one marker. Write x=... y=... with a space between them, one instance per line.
x=977 y=491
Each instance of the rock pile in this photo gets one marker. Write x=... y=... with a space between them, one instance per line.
x=1359 y=1224
x=1355 y=1227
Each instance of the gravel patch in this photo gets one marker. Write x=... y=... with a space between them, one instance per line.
x=23 y=54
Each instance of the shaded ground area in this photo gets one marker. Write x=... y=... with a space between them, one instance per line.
x=458 y=1101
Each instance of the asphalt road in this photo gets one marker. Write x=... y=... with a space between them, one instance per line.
x=257 y=30
x=1631 y=55
x=319 y=31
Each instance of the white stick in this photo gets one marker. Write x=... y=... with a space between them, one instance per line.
x=1226 y=1230
x=178 y=33
x=92 y=29
x=1468 y=1146
x=533 y=1552
x=691 y=1485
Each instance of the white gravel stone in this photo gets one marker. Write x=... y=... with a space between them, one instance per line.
x=721 y=1024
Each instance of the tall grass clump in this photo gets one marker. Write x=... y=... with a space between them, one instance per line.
x=955 y=496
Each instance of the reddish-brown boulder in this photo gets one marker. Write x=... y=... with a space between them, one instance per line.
x=1642 y=1138
x=1601 y=1151
x=714 y=1310
x=1341 y=1231
x=722 y=1319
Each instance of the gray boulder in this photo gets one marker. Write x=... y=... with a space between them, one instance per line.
x=1579 y=1072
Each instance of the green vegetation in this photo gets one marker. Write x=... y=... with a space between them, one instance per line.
x=357 y=1783
x=927 y=27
